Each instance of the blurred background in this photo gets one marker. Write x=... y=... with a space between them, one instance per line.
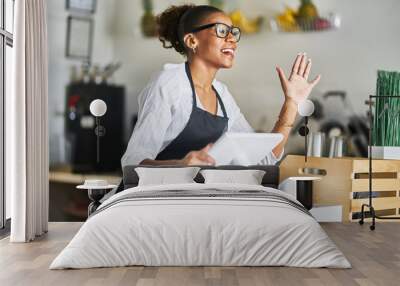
x=108 y=50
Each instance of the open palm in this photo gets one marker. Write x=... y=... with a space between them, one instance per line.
x=297 y=87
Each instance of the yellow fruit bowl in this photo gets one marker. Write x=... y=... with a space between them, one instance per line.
x=290 y=22
x=246 y=25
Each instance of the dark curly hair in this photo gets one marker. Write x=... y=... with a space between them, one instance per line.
x=176 y=21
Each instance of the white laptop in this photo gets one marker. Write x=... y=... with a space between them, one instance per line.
x=243 y=148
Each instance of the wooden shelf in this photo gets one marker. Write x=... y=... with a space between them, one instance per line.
x=63 y=174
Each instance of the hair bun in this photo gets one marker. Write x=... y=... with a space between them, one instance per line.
x=175 y=21
x=168 y=23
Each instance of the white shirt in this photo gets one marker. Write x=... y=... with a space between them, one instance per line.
x=165 y=105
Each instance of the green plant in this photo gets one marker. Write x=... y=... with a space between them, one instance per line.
x=217 y=3
x=148 y=21
x=147 y=6
x=386 y=131
x=307 y=10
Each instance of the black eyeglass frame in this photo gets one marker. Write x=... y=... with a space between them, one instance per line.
x=207 y=26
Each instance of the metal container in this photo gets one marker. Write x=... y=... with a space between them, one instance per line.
x=336 y=147
x=316 y=144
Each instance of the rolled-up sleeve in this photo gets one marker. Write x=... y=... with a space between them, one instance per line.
x=271 y=159
x=154 y=117
x=240 y=124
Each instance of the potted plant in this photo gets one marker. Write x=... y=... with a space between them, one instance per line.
x=148 y=22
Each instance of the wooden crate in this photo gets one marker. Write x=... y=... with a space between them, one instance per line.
x=385 y=185
x=334 y=188
x=347 y=179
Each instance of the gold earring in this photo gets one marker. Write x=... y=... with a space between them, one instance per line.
x=194 y=50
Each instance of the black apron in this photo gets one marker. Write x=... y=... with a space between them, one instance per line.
x=201 y=129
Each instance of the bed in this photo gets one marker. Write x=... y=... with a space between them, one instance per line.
x=197 y=224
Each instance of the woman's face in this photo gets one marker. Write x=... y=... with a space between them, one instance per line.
x=219 y=52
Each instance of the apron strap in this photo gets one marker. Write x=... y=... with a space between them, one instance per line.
x=189 y=75
x=220 y=102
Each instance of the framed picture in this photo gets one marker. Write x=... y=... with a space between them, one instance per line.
x=79 y=38
x=84 y=6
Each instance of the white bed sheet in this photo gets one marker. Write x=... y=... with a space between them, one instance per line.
x=200 y=231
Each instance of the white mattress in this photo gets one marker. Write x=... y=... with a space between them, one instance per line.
x=190 y=230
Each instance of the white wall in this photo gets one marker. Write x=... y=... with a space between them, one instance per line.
x=347 y=58
x=59 y=65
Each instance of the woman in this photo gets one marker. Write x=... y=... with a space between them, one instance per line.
x=184 y=108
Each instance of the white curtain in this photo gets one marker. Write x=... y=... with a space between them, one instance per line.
x=27 y=125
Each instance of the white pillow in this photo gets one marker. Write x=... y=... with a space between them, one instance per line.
x=248 y=177
x=162 y=176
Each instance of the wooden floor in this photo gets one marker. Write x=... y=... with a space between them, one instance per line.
x=375 y=257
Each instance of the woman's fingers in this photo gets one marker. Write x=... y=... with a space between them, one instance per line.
x=302 y=66
x=210 y=160
x=296 y=65
x=282 y=77
x=207 y=148
x=203 y=155
x=315 y=81
x=205 y=159
x=307 y=70
x=200 y=157
x=197 y=160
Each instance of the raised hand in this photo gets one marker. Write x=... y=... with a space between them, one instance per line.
x=297 y=87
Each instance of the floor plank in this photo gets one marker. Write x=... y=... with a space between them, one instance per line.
x=375 y=257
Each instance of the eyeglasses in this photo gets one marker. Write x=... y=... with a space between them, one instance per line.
x=221 y=30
